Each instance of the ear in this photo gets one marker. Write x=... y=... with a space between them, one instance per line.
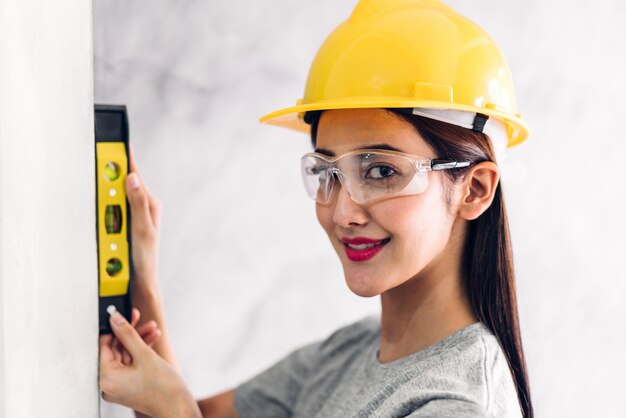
x=478 y=189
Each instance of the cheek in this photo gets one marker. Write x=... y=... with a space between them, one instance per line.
x=419 y=224
x=324 y=217
x=403 y=219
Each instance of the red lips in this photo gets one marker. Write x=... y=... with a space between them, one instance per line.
x=366 y=253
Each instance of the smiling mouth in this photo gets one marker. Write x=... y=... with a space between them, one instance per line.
x=364 y=246
x=363 y=249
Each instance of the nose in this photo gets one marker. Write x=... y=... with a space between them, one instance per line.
x=347 y=212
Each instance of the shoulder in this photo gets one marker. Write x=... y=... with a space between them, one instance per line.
x=330 y=351
x=470 y=362
x=502 y=399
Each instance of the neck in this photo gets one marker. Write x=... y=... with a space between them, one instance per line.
x=426 y=308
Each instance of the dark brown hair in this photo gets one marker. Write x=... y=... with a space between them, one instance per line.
x=487 y=257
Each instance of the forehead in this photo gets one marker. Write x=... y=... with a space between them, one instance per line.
x=344 y=130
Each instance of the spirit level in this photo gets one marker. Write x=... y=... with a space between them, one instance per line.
x=113 y=212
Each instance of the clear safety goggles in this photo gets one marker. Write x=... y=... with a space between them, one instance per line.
x=369 y=175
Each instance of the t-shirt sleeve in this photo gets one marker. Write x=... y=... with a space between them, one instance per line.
x=273 y=392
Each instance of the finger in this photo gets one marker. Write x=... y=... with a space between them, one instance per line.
x=128 y=336
x=150 y=333
x=145 y=333
x=153 y=338
x=147 y=327
x=117 y=348
x=140 y=206
x=135 y=316
x=155 y=210
x=127 y=360
x=106 y=354
x=133 y=162
x=105 y=339
x=133 y=166
x=120 y=353
x=153 y=205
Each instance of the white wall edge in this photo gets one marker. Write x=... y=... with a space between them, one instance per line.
x=48 y=264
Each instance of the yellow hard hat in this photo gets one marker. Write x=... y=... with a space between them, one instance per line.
x=419 y=54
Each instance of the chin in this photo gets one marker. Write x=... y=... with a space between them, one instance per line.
x=364 y=285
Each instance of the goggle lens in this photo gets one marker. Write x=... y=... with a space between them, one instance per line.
x=366 y=176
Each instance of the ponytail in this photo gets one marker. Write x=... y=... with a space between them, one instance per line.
x=488 y=254
x=491 y=288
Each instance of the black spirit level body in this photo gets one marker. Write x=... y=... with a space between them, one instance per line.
x=113 y=212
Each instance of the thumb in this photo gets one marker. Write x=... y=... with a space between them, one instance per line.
x=139 y=204
x=128 y=336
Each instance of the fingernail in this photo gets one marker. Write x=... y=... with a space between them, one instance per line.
x=118 y=318
x=133 y=181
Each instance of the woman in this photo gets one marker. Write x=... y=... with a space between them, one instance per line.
x=410 y=107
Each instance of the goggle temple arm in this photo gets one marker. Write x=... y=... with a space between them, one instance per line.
x=440 y=164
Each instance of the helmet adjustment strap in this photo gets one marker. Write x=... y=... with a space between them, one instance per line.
x=479 y=122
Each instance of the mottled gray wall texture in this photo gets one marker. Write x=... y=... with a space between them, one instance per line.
x=246 y=271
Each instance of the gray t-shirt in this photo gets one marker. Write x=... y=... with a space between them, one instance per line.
x=463 y=375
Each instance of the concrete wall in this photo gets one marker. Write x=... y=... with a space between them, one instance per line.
x=247 y=273
x=48 y=270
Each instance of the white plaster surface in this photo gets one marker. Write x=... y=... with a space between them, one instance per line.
x=48 y=266
x=248 y=274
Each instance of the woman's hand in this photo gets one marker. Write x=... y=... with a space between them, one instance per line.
x=145 y=211
x=145 y=214
x=149 y=333
x=142 y=380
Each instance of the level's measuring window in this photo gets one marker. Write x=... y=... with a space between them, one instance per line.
x=112 y=171
x=114 y=267
x=113 y=219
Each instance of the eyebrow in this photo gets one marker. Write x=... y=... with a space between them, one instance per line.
x=375 y=146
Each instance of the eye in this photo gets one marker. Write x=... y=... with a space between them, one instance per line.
x=313 y=170
x=380 y=172
x=316 y=170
